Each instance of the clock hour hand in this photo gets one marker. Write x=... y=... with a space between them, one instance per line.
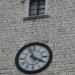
x=33 y=57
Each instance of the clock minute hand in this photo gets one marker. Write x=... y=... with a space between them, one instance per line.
x=37 y=59
x=40 y=60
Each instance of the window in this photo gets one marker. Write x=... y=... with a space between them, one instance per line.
x=37 y=7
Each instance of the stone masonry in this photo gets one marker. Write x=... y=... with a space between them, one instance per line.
x=57 y=31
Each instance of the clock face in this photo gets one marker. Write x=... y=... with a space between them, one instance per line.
x=33 y=58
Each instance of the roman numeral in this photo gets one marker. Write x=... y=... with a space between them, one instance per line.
x=32 y=67
x=38 y=65
x=27 y=66
x=34 y=48
x=43 y=51
x=22 y=58
x=44 y=56
x=29 y=48
x=23 y=63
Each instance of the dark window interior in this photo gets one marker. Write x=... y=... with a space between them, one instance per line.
x=37 y=7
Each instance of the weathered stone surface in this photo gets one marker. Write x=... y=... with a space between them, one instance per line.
x=57 y=31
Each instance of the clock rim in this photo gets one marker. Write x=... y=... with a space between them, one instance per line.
x=39 y=70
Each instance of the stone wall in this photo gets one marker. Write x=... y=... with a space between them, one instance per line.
x=57 y=31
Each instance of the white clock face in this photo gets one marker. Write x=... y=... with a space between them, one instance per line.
x=33 y=58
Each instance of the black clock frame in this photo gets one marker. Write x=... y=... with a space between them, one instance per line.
x=36 y=71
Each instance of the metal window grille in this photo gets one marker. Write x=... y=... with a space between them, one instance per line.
x=37 y=7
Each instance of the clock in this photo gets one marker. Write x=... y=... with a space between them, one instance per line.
x=33 y=58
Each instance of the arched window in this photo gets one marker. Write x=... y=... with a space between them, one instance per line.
x=37 y=7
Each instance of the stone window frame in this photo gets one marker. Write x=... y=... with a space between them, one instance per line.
x=35 y=6
x=45 y=15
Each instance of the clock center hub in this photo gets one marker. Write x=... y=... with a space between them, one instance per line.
x=31 y=58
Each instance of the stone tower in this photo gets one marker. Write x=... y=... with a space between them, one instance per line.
x=56 y=28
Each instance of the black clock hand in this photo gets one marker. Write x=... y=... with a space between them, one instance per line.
x=37 y=58
x=32 y=55
x=40 y=60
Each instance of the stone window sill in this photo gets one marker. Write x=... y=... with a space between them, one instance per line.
x=36 y=17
